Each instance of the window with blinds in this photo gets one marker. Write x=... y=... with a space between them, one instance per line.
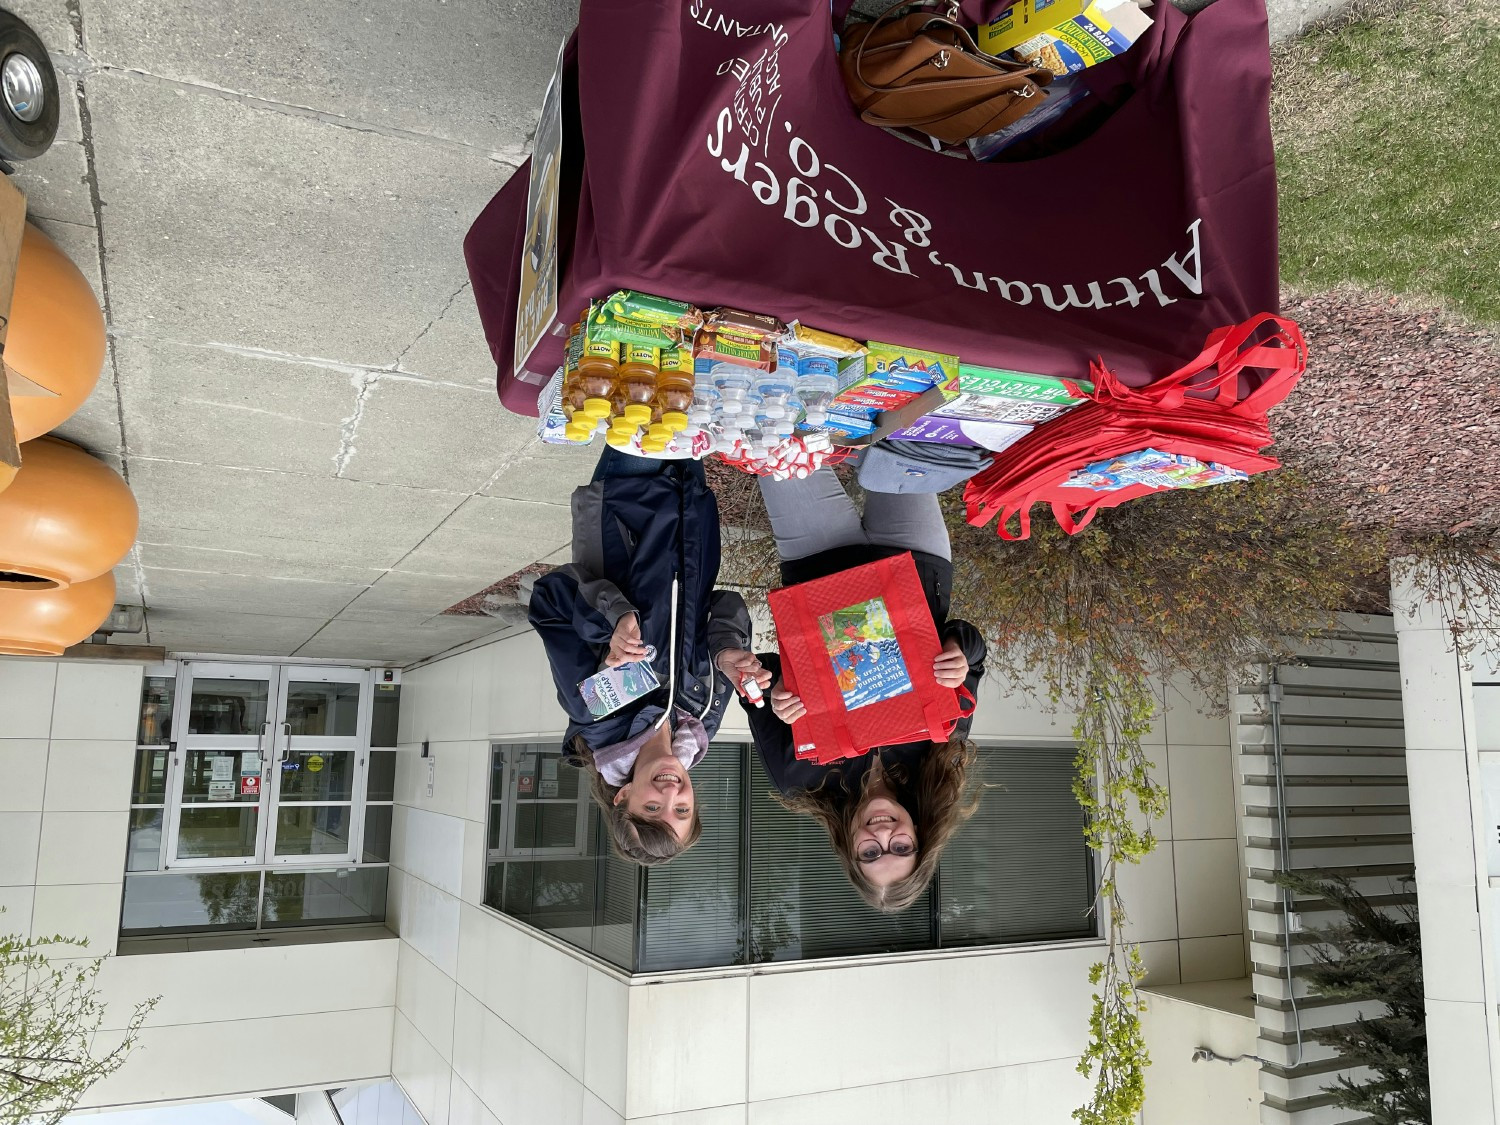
x=1019 y=869
x=762 y=884
x=694 y=916
x=801 y=903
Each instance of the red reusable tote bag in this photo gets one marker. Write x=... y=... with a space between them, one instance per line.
x=1201 y=410
x=712 y=155
x=858 y=647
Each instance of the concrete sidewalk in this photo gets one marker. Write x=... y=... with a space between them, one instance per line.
x=270 y=200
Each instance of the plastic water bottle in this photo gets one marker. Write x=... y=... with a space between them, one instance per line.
x=774 y=389
x=733 y=384
x=817 y=383
x=705 y=404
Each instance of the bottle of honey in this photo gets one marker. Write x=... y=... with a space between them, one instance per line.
x=639 y=371
x=598 y=374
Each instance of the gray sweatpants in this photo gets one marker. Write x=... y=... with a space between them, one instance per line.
x=815 y=514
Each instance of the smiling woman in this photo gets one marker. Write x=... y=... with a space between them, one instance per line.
x=653 y=816
x=639 y=592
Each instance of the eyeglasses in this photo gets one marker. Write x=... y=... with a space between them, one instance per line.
x=898 y=846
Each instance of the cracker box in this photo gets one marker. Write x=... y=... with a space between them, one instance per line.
x=1024 y=19
x=1106 y=28
x=987 y=394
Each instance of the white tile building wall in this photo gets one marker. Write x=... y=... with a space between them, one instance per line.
x=67 y=742
x=1452 y=712
x=231 y=1021
x=495 y=1023
x=483 y=1021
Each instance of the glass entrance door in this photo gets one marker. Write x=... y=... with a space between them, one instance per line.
x=269 y=762
x=322 y=733
x=223 y=738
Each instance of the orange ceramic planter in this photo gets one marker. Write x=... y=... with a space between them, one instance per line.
x=45 y=622
x=65 y=518
x=56 y=335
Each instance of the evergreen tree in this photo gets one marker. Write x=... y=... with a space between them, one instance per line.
x=1374 y=954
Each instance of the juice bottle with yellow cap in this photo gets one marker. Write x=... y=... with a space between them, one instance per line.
x=598 y=375
x=639 y=370
x=674 y=385
x=574 y=397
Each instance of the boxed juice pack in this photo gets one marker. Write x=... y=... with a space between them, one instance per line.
x=987 y=394
x=1154 y=468
x=892 y=376
x=1104 y=29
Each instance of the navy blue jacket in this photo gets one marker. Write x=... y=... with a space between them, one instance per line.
x=631 y=537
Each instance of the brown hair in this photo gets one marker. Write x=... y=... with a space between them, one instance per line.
x=647 y=842
x=939 y=798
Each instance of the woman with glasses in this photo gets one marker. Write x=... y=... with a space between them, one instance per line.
x=888 y=813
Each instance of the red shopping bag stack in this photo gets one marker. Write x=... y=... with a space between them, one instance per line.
x=1201 y=410
x=858 y=647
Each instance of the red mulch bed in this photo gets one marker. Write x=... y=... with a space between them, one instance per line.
x=1398 y=417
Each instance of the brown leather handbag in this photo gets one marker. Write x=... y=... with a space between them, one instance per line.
x=924 y=71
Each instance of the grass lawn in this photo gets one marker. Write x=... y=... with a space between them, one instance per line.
x=1388 y=150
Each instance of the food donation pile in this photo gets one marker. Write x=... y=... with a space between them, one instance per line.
x=659 y=378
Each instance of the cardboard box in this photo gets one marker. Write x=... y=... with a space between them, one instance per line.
x=1024 y=19
x=892 y=376
x=889 y=421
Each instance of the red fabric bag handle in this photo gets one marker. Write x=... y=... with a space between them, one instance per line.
x=829 y=699
x=1227 y=352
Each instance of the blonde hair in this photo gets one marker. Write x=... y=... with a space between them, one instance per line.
x=943 y=795
x=649 y=843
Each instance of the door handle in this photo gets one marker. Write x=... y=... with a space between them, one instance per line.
x=286 y=740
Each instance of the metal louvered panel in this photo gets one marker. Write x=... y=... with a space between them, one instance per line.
x=1341 y=808
x=693 y=913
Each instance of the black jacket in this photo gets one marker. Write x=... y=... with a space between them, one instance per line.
x=631 y=537
x=773 y=738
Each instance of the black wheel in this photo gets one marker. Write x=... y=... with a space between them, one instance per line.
x=28 y=92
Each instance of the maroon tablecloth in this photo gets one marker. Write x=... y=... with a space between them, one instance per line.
x=718 y=160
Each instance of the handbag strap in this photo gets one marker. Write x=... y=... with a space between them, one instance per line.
x=948 y=726
x=949 y=21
